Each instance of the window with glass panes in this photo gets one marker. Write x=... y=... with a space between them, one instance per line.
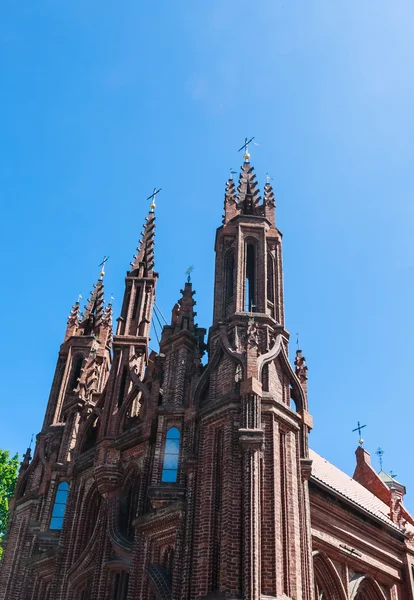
x=59 y=506
x=171 y=454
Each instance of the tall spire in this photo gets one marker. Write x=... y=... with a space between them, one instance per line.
x=248 y=194
x=144 y=262
x=92 y=317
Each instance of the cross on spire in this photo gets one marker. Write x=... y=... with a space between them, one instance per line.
x=359 y=428
x=380 y=454
x=246 y=148
x=105 y=260
x=188 y=273
x=153 y=198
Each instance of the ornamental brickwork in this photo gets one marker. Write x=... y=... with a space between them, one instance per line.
x=162 y=476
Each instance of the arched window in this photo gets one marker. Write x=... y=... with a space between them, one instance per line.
x=77 y=363
x=250 y=279
x=120 y=589
x=91 y=434
x=59 y=506
x=270 y=279
x=171 y=454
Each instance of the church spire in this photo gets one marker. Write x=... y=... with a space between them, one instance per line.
x=143 y=263
x=230 y=201
x=92 y=317
x=248 y=194
x=269 y=204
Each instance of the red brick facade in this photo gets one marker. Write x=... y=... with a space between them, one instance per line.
x=156 y=477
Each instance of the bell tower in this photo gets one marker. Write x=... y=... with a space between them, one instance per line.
x=253 y=441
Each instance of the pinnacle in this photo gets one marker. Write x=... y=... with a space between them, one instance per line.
x=144 y=259
x=230 y=201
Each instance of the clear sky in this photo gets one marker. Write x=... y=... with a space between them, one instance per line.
x=102 y=101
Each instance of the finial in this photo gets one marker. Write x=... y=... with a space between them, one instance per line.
x=297 y=340
x=112 y=297
x=380 y=454
x=359 y=428
x=102 y=273
x=152 y=198
x=188 y=273
x=268 y=178
x=231 y=174
x=31 y=441
x=245 y=147
x=79 y=298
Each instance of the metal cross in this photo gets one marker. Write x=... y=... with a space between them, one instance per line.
x=268 y=178
x=246 y=148
x=358 y=428
x=232 y=173
x=79 y=298
x=297 y=340
x=111 y=298
x=102 y=273
x=153 y=198
x=380 y=454
x=188 y=273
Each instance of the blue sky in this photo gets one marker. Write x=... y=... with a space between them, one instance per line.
x=100 y=102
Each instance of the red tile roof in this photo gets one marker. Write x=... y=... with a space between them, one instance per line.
x=343 y=484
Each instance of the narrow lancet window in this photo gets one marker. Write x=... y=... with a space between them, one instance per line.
x=171 y=454
x=229 y=276
x=270 y=279
x=59 y=506
x=76 y=372
x=122 y=386
x=250 y=283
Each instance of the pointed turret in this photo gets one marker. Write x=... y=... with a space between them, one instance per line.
x=183 y=313
x=230 y=201
x=269 y=204
x=73 y=321
x=248 y=194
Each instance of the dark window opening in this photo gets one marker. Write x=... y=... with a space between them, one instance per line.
x=171 y=454
x=77 y=363
x=270 y=278
x=265 y=378
x=122 y=386
x=230 y=276
x=128 y=506
x=250 y=284
x=91 y=435
x=56 y=522
x=136 y=303
x=185 y=323
x=120 y=591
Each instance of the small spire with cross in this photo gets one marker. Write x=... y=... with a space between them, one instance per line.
x=102 y=273
x=153 y=198
x=245 y=147
x=359 y=429
x=380 y=454
x=188 y=273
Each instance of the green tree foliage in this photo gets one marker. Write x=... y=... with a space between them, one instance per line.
x=8 y=476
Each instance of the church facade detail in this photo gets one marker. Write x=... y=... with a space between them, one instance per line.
x=158 y=477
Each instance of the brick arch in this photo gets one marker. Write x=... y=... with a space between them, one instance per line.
x=137 y=386
x=364 y=587
x=160 y=582
x=85 y=428
x=327 y=580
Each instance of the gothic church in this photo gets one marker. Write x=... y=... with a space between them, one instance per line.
x=158 y=477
